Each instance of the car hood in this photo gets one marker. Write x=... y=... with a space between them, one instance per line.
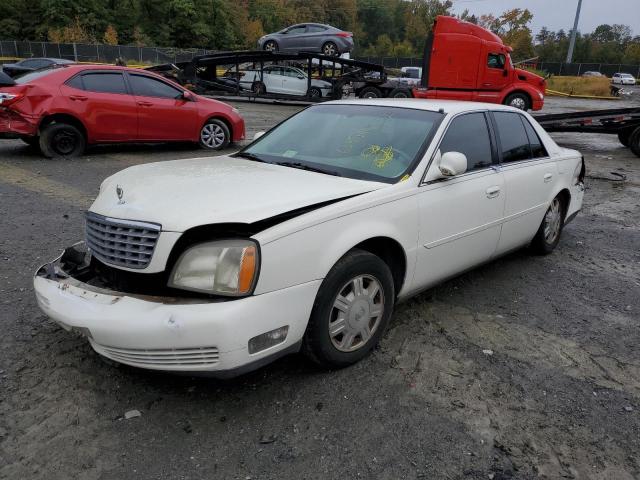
x=182 y=194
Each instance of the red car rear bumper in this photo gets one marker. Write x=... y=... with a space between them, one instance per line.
x=14 y=123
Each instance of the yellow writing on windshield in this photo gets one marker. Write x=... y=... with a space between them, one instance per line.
x=380 y=156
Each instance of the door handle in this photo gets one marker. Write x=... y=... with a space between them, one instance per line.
x=78 y=98
x=547 y=177
x=145 y=104
x=493 y=192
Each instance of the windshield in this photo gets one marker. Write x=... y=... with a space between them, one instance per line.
x=365 y=142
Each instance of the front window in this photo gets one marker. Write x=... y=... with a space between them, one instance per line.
x=496 y=60
x=364 y=142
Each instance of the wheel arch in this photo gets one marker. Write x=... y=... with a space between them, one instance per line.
x=61 y=117
x=566 y=199
x=392 y=253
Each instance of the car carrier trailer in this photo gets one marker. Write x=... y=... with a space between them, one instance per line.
x=624 y=122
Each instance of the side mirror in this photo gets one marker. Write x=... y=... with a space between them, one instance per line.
x=187 y=96
x=452 y=163
x=257 y=135
x=301 y=77
x=505 y=72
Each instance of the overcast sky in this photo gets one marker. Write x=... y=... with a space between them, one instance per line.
x=557 y=14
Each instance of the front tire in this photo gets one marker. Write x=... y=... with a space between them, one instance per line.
x=634 y=142
x=351 y=311
x=62 y=140
x=548 y=234
x=270 y=46
x=215 y=135
x=315 y=92
x=518 y=100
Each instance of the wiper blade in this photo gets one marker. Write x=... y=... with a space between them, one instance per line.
x=250 y=156
x=304 y=166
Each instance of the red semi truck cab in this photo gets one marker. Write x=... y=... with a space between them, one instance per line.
x=463 y=61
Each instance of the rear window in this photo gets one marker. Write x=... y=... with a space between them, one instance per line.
x=29 y=77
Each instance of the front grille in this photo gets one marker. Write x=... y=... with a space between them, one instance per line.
x=125 y=243
x=158 y=358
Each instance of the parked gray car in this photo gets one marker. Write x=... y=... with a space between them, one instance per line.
x=31 y=64
x=312 y=37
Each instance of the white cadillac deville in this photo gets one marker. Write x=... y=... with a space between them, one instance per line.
x=307 y=238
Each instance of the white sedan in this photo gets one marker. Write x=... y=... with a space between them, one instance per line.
x=623 y=79
x=307 y=238
x=283 y=79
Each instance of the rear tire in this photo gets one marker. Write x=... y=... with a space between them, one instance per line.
x=370 y=92
x=351 y=311
x=548 y=235
x=330 y=49
x=258 y=88
x=215 y=135
x=62 y=140
x=634 y=142
x=518 y=100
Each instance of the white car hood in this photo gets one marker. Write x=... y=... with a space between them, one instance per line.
x=182 y=194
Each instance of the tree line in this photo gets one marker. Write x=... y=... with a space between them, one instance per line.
x=380 y=27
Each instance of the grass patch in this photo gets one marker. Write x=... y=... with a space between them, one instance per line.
x=596 y=86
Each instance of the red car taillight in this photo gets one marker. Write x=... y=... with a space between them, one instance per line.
x=6 y=99
x=344 y=34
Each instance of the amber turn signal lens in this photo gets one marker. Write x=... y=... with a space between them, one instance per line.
x=247 y=269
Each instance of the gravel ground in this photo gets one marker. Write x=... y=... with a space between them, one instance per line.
x=558 y=397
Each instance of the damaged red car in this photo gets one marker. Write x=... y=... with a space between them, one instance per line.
x=63 y=109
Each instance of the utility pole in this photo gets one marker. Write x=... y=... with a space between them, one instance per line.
x=572 y=42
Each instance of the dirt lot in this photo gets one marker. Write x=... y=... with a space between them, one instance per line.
x=559 y=397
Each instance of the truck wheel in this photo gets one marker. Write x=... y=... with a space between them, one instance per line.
x=370 y=92
x=62 y=140
x=634 y=142
x=400 y=93
x=623 y=136
x=518 y=100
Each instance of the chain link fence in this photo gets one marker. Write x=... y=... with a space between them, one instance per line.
x=82 y=52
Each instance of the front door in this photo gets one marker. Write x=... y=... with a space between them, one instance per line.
x=162 y=112
x=496 y=72
x=292 y=83
x=460 y=216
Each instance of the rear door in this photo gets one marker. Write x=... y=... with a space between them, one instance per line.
x=294 y=39
x=530 y=178
x=315 y=37
x=273 y=79
x=103 y=103
x=163 y=114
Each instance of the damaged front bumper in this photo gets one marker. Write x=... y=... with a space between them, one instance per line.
x=166 y=333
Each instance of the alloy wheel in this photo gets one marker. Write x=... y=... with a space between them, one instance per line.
x=552 y=221
x=212 y=135
x=519 y=103
x=329 y=50
x=356 y=313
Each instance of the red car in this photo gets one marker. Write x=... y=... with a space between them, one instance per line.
x=63 y=109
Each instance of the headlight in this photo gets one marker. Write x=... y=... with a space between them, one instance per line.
x=225 y=267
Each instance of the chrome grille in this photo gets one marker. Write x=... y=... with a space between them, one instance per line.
x=125 y=243
x=158 y=358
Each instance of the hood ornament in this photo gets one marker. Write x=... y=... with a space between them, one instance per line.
x=120 y=193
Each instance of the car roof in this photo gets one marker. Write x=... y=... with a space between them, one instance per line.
x=57 y=60
x=448 y=106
